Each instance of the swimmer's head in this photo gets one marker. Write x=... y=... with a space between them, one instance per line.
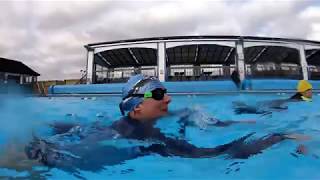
x=145 y=96
x=305 y=88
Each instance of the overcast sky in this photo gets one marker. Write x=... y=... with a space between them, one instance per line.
x=49 y=36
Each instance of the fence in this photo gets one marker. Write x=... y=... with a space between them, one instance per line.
x=202 y=73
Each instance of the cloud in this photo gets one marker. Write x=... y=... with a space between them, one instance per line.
x=49 y=36
x=312 y=16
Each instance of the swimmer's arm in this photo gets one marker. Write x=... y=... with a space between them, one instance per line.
x=176 y=147
x=184 y=149
x=228 y=123
x=184 y=118
x=236 y=149
x=224 y=123
x=297 y=137
x=183 y=121
x=215 y=122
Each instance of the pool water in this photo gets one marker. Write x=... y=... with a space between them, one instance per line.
x=20 y=117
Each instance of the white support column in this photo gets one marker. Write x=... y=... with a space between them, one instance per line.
x=240 y=59
x=5 y=78
x=90 y=57
x=161 y=47
x=34 y=79
x=303 y=62
x=21 y=79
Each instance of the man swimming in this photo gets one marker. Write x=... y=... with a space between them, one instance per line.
x=144 y=102
x=304 y=93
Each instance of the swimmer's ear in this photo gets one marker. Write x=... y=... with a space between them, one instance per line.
x=137 y=109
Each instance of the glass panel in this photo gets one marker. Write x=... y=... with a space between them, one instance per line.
x=203 y=72
x=272 y=62
x=313 y=60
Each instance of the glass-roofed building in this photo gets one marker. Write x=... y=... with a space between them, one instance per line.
x=188 y=58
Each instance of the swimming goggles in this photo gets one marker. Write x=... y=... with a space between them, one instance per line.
x=157 y=94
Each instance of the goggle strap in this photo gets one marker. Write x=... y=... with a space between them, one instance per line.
x=121 y=109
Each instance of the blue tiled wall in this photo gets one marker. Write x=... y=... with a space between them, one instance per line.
x=182 y=87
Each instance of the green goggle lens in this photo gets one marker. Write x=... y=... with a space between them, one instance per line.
x=148 y=95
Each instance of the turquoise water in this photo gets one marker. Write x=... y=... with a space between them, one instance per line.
x=20 y=117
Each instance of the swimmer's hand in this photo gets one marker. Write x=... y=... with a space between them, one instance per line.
x=298 y=137
x=302 y=149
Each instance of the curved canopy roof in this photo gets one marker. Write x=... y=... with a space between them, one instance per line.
x=168 y=38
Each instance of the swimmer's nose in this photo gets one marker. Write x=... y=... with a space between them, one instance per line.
x=167 y=99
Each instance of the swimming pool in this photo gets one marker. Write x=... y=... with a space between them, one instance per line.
x=20 y=116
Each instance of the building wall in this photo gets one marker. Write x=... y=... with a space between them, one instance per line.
x=12 y=83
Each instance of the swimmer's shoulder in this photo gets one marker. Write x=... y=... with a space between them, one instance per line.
x=124 y=126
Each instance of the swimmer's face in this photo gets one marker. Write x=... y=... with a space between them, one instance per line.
x=151 y=109
x=308 y=93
